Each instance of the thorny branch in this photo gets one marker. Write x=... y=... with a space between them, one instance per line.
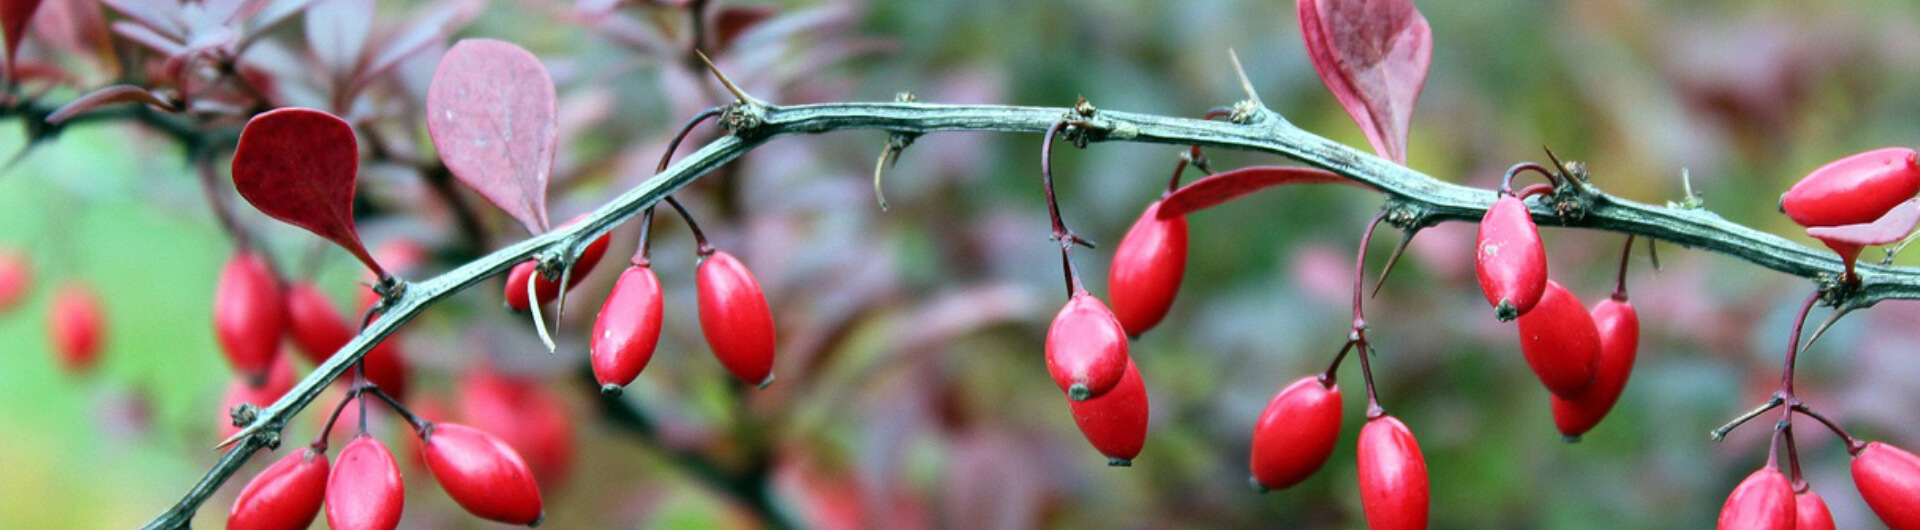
x=1414 y=200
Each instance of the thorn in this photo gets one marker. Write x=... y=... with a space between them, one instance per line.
x=1829 y=322
x=1406 y=238
x=1245 y=83
x=889 y=157
x=533 y=308
x=739 y=96
x=243 y=434
x=1653 y=255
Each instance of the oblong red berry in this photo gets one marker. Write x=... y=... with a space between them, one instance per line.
x=1856 y=189
x=547 y=290
x=248 y=315
x=1561 y=343
x=284 y=496
x=280 y=379
x=1296 y=433
x=1509 y=259
x=1393 y=476
x=364 y=492
x=1810 y=512
x=1116 y=422
x=482 y=473
x=542 y=429
x=77 y=327
x=1086 y=348
x=735 y=318
x=1147 y=268
x=16 y=275
x=1619 y=328
x=318 y=331
x=1764 y=501
x=627 y=329
x=1889 y=479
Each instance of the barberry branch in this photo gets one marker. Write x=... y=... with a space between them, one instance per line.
x=1415 y=200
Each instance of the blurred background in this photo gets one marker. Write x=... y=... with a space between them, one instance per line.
x=911 y=391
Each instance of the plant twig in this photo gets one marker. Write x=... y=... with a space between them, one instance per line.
x=1420 y=200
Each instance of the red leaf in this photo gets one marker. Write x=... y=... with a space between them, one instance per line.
x=337 y=33
x=113 y=95
x=1891 y=227
x=1373 y=55
x=491 y=113
x=1229 y=185
x=300 y=166
x=14 y=15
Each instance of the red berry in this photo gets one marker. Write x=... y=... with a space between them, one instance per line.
x=1889 y=479
x=1296 y=433
x=1116 y=422
x=541 y=427
x=319 y=331
x=547 y=290
x=16 y=275
x=365 y=491
x=483 y=474
x=735 y=318
x=1853 y=190
x=1510 y=260
x=77 y=325
x=1810 y=512
x=1764 y=501
x=280 y=379
x=1147 y=268
x=248 y=315
x=1086 y=348
x=1561 y=343
x=627 y=330
x=1393 y=476
x=1619 y=329
x=284 y=496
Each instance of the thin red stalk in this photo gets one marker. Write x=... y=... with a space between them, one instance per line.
x=1620 y=285
x=1506 y=182
x=1793 y=343
x=1060 y=232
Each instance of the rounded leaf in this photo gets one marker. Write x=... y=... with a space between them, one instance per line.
x=301 y=166
x=491 y=111
x=1373 y=56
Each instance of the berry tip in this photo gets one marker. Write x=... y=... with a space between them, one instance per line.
x=612 y=390
x=1079 y=392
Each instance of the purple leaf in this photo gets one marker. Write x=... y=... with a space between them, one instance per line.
x=300 y=166
x=153 y=14
x=491 y=112
x=1373 y=55
x=113 y=95
x=14 y=15
x=148 y=37
x=1229 y=185
x=337 y=33
x=439 y=21
x=1891 y=227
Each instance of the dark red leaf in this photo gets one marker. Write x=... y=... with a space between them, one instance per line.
x=732 y=21
x=491 y=113
x=14 y=15
x=337 y=33
x=113 y=95
x=300 y=166
x=1891 y=227
x=1229 y=185
x=1373 y=55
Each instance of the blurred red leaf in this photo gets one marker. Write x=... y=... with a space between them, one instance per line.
x=337 y=34
x=113 y=95
x=150 y=14
x=1893 y=226
x=440 y=20
x=76 y=27
x=14 y=15
x=491 y=112
x=732 y=21
x=1373 y=55
x=1229 y=185
x=300 y=166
